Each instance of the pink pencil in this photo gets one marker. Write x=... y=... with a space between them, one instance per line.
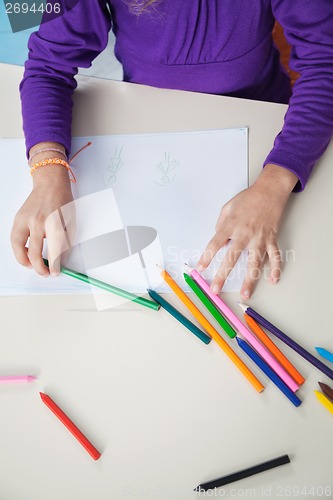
x=244 y=331
x=14 y=379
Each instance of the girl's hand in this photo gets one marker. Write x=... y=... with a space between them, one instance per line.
x=39 y=218
x=251 y=221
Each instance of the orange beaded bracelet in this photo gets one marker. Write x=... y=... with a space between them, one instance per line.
x=54 y=161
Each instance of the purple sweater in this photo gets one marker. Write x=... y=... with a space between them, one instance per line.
x=214 y=46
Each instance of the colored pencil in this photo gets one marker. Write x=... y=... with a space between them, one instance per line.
x=324 y=401
x=179 y=316
x=70 y=426
x=246 y=347
x=210 y=306
x=241 y=328
x=264 y=338
x=109 y=288
x=13 y=379
x=287 y=340
x=268 y=371
x=325 y=353
x=236 y=476
x=211 y=330
x=326 y=390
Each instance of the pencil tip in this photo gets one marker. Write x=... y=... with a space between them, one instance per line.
x=159 y=267
x=243 y=306
x=31 y=378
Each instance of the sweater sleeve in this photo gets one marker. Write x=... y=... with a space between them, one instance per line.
x=56 y=50
x=308 y=123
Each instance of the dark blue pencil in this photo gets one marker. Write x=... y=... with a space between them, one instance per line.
x=287 y=340
x=268 y=371
x=179 y=316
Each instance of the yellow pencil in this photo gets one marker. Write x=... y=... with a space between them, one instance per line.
x=324 y=401
x=211 y=330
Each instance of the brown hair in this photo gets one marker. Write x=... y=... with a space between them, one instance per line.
x=137 y=7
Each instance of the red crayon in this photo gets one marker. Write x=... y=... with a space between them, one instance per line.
x=70 y=426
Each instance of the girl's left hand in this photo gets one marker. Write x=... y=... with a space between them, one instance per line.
x=251 y=221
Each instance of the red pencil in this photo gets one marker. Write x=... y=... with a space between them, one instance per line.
x=70 y=425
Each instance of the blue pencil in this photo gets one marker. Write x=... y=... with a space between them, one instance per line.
x=268 y=371
x=325 y=353
x=181 y=318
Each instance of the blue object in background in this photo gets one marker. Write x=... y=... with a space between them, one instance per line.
x=13 y=46
x=14 y=50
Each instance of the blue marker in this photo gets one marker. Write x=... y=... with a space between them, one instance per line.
x=325 y=353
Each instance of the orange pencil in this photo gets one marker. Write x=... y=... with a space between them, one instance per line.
x=211 y=330
x=274 y=350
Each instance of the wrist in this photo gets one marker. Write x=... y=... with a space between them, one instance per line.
x=45 y=150
x=45 y=145
x=53 y=177
x=277 y=179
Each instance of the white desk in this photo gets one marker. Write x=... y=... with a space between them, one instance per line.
x=166 y=411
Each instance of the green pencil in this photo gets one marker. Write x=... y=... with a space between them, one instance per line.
x=108 y=288
x=210 y=306
x=179 y=316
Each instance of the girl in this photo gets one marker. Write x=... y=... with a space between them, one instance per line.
x=215 y=46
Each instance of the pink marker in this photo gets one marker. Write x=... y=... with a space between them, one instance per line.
x=241 y=328
x=14 y=379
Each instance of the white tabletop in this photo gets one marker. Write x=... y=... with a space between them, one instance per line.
x=166 y=412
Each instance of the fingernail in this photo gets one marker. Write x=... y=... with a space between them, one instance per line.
x=54 y=274
x=200 y=268
x=275 y=281
x=246 y=293
x=215 y=289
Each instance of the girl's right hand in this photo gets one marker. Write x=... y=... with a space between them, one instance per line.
x=39 y=218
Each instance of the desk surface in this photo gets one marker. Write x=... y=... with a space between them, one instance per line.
x=166 y=411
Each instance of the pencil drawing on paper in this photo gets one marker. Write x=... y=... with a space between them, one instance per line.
x=114 y=165
x=166 y=169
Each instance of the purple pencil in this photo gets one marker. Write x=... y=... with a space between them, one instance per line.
x=287 y=340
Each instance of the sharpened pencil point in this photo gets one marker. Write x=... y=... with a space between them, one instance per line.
x=243 y=307
x=159 y=267
x=326 y=390
x=325 y=354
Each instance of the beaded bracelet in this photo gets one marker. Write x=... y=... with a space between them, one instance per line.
x=54 y=161
x=56 y=150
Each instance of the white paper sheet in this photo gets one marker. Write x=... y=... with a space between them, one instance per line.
x=151 y=197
